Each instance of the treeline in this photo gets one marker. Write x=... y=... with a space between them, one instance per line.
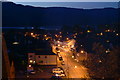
x=102 y=64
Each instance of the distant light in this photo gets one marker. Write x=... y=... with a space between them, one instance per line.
x=32 y=27
x=32 y=33
x=101 y=34
x=72 y=46
x=107 y=41
x=114 y=31
x=60 y=32
x=34 y=36
x=88 y=31
x=107 y=51
x=75 y=33
x=72 y=56
x=100 y=61
x=81 y=51
x=74 y=36
x=31 y=61
x=77 y=60
x=97 y=34
x=15 y=42
x=81 y=45
x=58 y=41
x=67 y=38
x=46 y=39
x=75 y=66
x=56 y=35
x=58 y=51
x=117 y=34
x=56 y=74
x=108 y=30
x=58 y=44
x=45 y=35
x=29 y=66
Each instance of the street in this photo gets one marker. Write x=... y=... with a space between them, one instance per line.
x=72 y=68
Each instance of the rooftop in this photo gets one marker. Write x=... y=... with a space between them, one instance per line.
x=42 y=52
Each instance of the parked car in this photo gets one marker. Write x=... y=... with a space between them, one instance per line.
x=63 y=63
x=60 y=58
x=60 y=74
x=57 y=70
x=55 y=78
x=32 y=72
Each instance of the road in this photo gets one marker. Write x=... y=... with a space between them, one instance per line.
x=72 y=68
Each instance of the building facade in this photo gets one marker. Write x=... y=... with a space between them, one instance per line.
x=42 y=59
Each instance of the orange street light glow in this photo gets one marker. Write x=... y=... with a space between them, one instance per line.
x=82 y=51
x=31 y=33
x=101 y=34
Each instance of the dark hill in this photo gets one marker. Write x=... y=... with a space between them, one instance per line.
x=19 y=15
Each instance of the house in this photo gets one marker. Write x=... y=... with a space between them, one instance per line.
x=42 y=57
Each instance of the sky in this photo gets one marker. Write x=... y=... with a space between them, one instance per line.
x=85 y=4
x=65 y=0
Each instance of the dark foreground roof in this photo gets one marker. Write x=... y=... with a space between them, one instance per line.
x=41 y=52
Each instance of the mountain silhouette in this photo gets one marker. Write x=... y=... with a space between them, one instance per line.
x=17 y=15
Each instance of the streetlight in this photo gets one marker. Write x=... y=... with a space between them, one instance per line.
x=67 y=38
x=75 y=66
x=88 y=31
x=32 y=33
x=59 y=45
x=117 y=34
x=82 y=51
x=101 y=34
x=72 y=56
x=45 y=35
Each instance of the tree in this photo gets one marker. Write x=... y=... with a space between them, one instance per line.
x=113 y=63
x=104 y=66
